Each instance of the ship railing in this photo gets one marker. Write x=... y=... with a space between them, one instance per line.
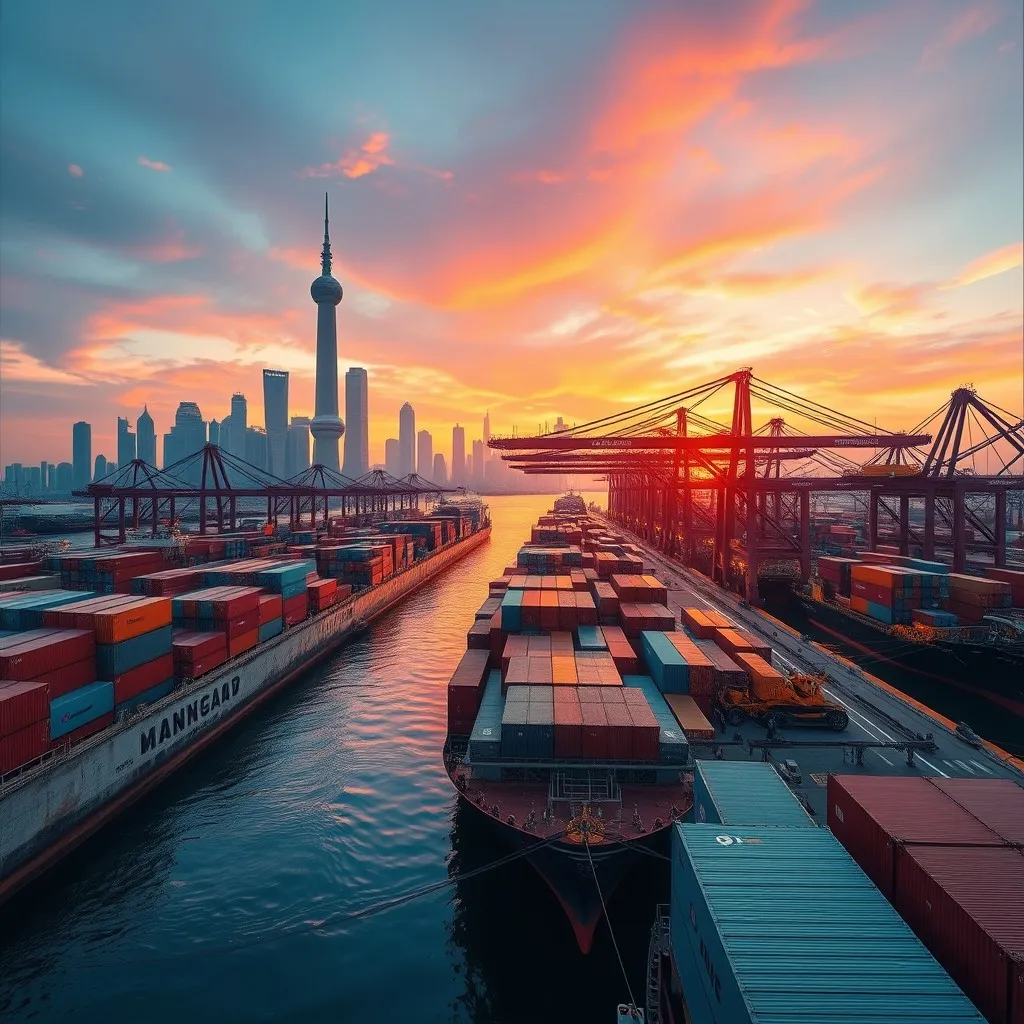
x=584 y=787
x=660 y=946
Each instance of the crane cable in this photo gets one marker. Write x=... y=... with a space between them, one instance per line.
x=611 y=931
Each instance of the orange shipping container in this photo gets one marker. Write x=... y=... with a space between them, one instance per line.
x=766 y=683
x=127 y=622
x=689 y=716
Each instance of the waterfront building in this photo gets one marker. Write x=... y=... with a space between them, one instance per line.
x=424 y=454
x=406 y=440
x=297 y=456
x=186 y=437
x=145 y=434
x=81 y=454
x=101 y=468
x=440 y=473
x=125 y=441
x=392 y=456
x=458 y=474
x=357 y=429
x=275 y=418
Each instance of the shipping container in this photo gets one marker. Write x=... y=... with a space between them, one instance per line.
x=115 y=659
x=665 y=664
x=40 y=651
x=873 y=815
x=740 y=793
x=150 y=696
x=485 y=739
x=773 y=923
x=465 y=689
x=24 y=745
x=690 y=717
x=144 y=677
x=672 y=746
x=23 y=704
x=996 y=803
x=268 y=630
x=142 y=615
x=967 y=906
x=80 y=707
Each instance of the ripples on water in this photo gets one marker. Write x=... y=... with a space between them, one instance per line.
x=219 y=897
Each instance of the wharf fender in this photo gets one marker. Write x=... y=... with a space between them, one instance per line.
x=39 y=810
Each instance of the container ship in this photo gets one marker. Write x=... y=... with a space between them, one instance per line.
x=116 y=667
x=965 y=630
x=570 y=712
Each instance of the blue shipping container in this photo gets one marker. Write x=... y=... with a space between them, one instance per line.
x=27 y=612
x=79 y=707
x=591 y=638
x=485 y=739
x=150 y=696
x=668 y=668
x=773 y=924
x=113 y=659
x=512 y=611
x=744 y=793
x=270 y=629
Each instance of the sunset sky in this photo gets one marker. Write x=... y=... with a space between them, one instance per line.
x=538 y=208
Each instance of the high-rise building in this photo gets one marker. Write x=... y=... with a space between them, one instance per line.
x=125 y=441
x=487 y=436
x=458 y=474
x=239 y=420
x=478 y=463
x=275 y=417
x=440 y=473
x=297 y=456
x=357 y=429
x=81 y=453
x=392 y=457
x=44 y=475
x=145 y=434
x=424 y=453
x=327 y=426
x=186 y=437
x=257 y=447
x=101 y=468
x=213 y=432
x=406 y=440
x=65 y=478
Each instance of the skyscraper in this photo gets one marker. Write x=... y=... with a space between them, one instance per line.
x=239 y=425
x=458 y=473
x=327 y=426
x=297 y=460
x=440 y=473
x=146 y=438
x=357 y=431
x=65 y=478
x=81 y=454
x=275 y=417
x=215 y=431
x=487 y=434
x=392 y=457
x=478 y=463
x=424 y=453
x=257 y=447
x=406 y=440
x=186 y=437
x=101 y=467
x=125 y=441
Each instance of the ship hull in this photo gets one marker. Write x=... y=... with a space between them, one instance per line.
x=48 y=810
x=566 y=869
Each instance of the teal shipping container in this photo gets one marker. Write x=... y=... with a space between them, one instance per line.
x=150 y=696
x=26 y=612
x=667 y=667
x=779 y=924
x=485 y=739
x=591 y=638
x=270 y=629
x=744 y=793
x=672 y=746
x=512 y=611
x=80 y=707
x=115 y=659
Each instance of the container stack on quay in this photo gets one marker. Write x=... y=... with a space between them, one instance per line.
x=778 y=923
x=898 y=590
x=120 y=630
x=947 y=853
x=742 y=793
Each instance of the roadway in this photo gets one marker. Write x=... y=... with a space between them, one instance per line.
x=876 y=714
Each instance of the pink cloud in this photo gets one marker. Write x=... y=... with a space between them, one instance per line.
x=356 y=163
x=75 y=171
x=967 y=24
x=993 y=263
x=153 y=165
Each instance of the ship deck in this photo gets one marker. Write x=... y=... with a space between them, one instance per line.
x=878 y=713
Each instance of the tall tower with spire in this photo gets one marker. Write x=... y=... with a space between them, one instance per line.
x=326 y=426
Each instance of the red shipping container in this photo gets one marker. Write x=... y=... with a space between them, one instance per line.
x=996 y=803
x=18 y=748
x=270 y=608
x=873 y=592
x=548 y=611
x=966 y=906
x=530 y=610
x=568 y=723
x=464 y=691
x=243 y=642
x=83 y=731
x=343 y=593
x=872 y=815
x=41 y=651
x=646 y=735
x=69 y=678
x=195 y=669
x=595 y=730
x=242 y=624
x=15 y=570
x=237 y=602
x=22 y=705
x=620 y=728
x=296 y=609
x=1017 y=990
x=138 y=680
x=190 y=646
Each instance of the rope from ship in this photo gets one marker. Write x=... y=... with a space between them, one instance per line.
x=334 y=919
x=622 y=840
x=611 y=931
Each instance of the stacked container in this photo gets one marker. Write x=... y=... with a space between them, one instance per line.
x=672 y=746
x=528 y=723
x=24 y=723
x=741 y=793
x=465 y=689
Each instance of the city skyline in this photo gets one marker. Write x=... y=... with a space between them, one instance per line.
x=635 y=238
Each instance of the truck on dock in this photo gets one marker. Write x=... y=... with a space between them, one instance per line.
x=779 y=701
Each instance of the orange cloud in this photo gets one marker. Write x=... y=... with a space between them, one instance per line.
x=889 y=300
x=75 y=171
x=19 y=365
x=172 y=249
x=153 y=165
x=356 y=163
x=993 y=263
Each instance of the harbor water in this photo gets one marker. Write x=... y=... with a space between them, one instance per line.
x=231 y=892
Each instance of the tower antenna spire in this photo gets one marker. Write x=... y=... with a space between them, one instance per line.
x=325 y=256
